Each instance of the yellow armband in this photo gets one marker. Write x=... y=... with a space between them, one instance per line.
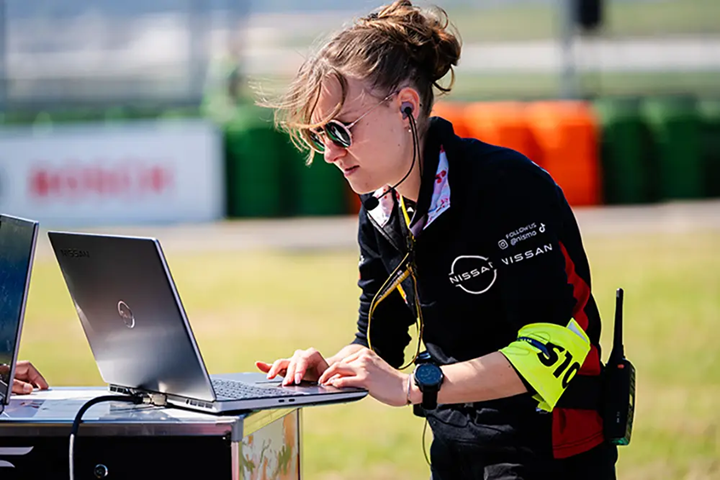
x=548 y=356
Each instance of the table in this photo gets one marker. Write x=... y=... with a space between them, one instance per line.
x=120 y=440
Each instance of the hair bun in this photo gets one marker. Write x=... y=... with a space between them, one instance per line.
x=446 y=51
x=430 y=40
x=398 y=46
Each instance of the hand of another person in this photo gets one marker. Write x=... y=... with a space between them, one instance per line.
x=27 y=378
x=365 y=369
x=303 y=365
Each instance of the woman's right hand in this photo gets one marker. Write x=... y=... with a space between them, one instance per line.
x=304 y=365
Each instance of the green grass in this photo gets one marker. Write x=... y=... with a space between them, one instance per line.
x=261 y=305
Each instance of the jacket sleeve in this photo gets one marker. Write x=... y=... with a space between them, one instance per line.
x=525 y=214
x=392 y=318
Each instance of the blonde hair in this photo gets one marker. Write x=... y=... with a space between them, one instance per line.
x=398 y=45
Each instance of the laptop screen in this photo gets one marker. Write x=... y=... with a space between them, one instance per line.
x=17 y=245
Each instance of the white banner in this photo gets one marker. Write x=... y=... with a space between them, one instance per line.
x=103 y=174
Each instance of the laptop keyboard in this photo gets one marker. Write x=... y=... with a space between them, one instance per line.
x=239 y=390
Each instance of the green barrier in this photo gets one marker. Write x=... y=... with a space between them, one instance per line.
x=84 y=114
x=42 y=120
x=188 y=112
x=709 y=111
x=141 y=112
x=320 y=188
x=19 y=118
x=675 y=128
x=79 y=115
x=255 y=154
x=624 y=151
x=116 y=114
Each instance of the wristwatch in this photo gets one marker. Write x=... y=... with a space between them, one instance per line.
x=428 y=377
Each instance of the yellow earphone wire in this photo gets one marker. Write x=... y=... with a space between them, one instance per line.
x=393 y=282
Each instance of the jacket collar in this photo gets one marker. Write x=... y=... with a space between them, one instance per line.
x=434 y=197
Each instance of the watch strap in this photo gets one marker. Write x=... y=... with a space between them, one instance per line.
x=429 y=392
x=429 y=397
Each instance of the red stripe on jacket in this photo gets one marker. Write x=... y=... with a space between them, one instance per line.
x=574 y=430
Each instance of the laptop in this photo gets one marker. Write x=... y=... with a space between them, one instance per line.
x=140 y=335
x=17 y=250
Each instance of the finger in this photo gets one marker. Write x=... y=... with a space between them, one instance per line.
x=328 y=373
x=344 y=382
x=33 y=376
x=278 y=367
x=290 y=373
x=337 y=369
x=350 y=360
x=21 y=369
x=364 y=353
x=301 y=366
x=21 y=388
x=263 y=367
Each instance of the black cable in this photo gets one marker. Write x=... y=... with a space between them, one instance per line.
x=372 y=202
x=136 y=399
x=416 y=143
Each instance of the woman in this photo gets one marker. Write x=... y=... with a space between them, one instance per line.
x=474 y=241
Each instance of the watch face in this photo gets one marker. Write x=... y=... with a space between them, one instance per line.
x=428 y=374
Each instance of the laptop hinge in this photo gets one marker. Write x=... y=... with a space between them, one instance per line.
x=151 y=398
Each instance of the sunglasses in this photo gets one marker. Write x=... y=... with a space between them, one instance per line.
x=406 y=269
x=337 y=131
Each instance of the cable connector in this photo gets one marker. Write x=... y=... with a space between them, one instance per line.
x=142 y=396
x=157 y=399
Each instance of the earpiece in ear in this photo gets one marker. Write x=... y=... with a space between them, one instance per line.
x=406 y=109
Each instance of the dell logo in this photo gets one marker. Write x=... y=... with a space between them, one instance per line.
x=126 y=314
x=74 y=253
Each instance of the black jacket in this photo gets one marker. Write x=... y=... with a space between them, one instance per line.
x=497 y=247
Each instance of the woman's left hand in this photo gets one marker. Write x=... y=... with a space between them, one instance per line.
x=365 y=369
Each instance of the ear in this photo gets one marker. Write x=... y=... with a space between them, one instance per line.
x=408 y=97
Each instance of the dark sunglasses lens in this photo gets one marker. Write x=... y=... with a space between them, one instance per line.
x=339 y=134
x=316 y=141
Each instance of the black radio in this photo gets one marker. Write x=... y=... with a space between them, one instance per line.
x=619 y=403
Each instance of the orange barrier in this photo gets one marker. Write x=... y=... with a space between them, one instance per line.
x=504 y=124
x=560 y=136
x=455 y=114
x=567 y=136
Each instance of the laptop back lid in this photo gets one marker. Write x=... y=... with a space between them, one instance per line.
x=17 y=251
x=131 y=313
